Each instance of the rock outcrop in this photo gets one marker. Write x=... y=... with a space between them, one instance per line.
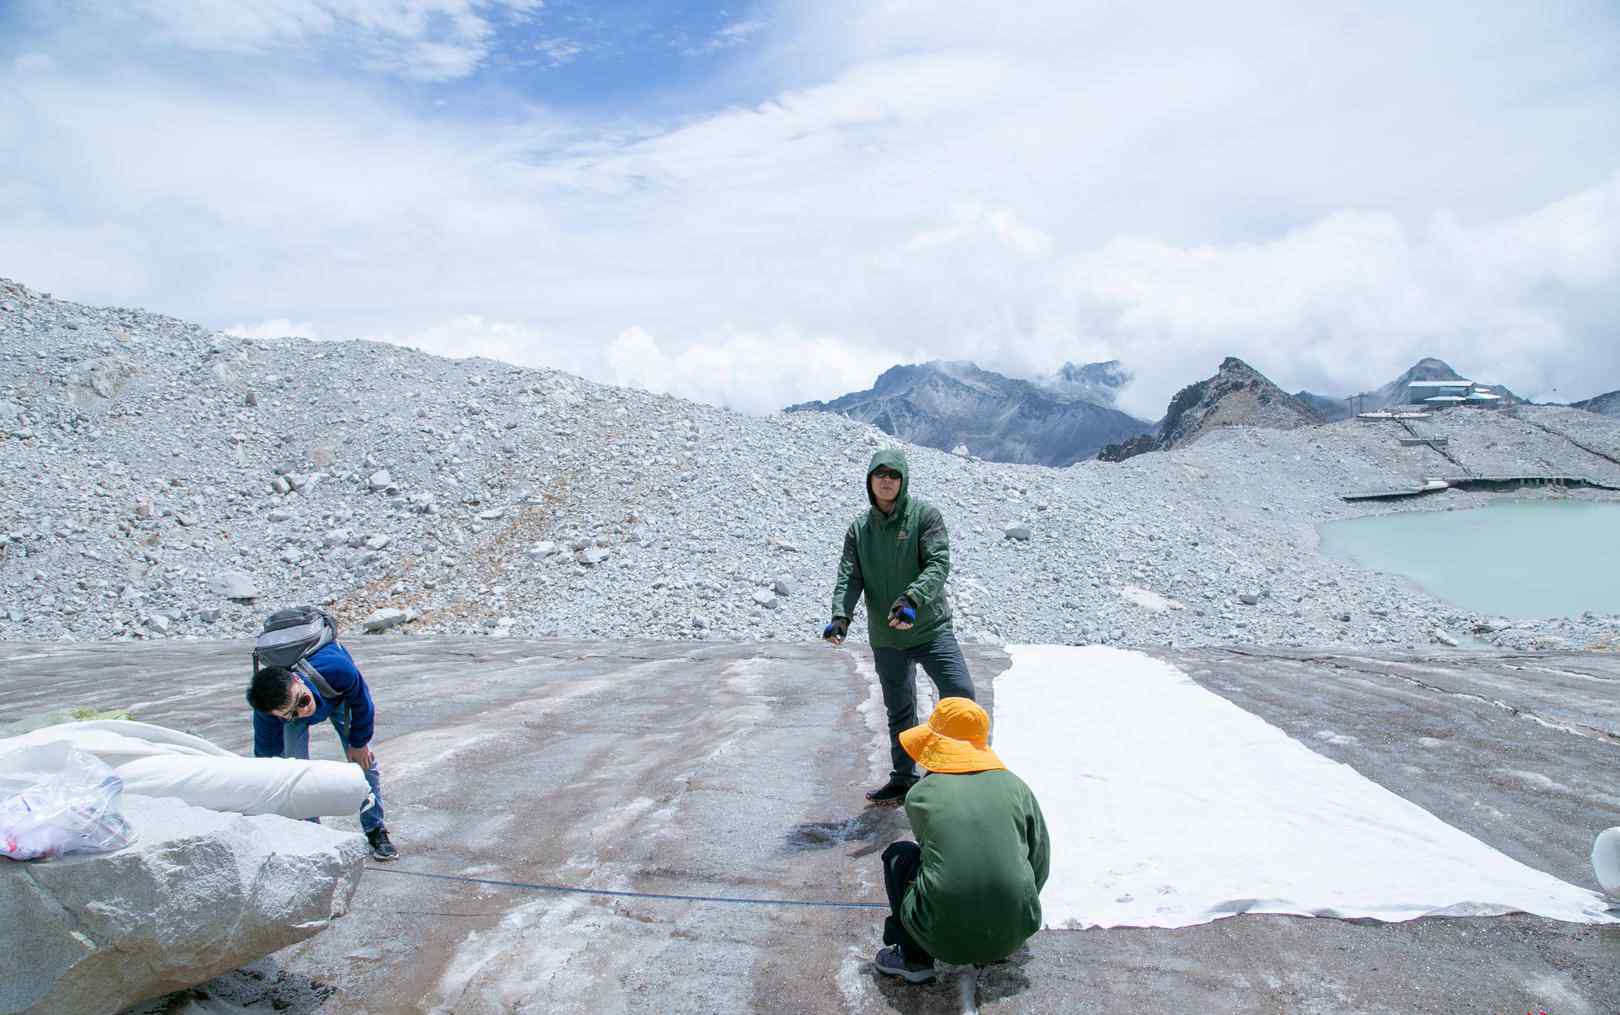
x=199 y=893
x=1238 y=395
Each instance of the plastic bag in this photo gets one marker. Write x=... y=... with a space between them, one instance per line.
x=56 y=800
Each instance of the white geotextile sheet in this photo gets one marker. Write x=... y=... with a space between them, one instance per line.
x=160 y=762
x=1169 y=806
x=117 y=741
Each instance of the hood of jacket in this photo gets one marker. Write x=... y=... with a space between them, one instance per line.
x=895 y=459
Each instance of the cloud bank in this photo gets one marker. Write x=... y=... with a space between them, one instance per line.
x=1329 y=194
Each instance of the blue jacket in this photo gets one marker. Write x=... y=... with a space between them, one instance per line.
x=337 y=668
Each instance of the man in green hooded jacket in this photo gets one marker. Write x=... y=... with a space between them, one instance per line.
x=898 y=555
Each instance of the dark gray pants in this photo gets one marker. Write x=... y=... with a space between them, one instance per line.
x=942 y=660
x=901 y=862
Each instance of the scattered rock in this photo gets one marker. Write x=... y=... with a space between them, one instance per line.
x=383 y=619
x=235 y=585
x=1020 y=532
x=1148 y=600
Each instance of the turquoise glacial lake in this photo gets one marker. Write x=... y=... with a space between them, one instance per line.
x=1519 y=559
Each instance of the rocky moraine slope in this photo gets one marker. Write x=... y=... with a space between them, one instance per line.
x=161 y=480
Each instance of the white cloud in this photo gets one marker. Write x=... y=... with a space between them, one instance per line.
x=1327 y=194
x=429 y=40
x=559 y=51
x=279 y=327
x=1355 y=298
x=730 y=35
x=750 y=373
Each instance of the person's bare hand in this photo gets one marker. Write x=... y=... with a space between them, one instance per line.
x=362 y=756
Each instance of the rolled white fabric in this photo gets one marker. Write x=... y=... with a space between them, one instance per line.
x=1606 y=860
x=117 y=741
x=286 y=786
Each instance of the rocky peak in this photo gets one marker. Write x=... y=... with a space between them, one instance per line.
x=1238 y=395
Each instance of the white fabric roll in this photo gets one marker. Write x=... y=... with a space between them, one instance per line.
x=285 y=786
x=1606 y=860
x=159 y=762
x=117 y=741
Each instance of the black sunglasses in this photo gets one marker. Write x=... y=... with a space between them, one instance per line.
x=886 y=474
x=289 y=714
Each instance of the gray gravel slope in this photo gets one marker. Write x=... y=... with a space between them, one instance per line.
x=162 y=480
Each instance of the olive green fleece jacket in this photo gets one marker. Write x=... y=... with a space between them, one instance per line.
x=985 y=859
x=904 y=553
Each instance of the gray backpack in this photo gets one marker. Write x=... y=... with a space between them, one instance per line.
x=290 y=637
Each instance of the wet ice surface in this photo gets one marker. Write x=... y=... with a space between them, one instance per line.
x=736 y=769
x=1208 y=811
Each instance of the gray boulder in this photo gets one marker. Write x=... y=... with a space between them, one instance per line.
x=197 y=894
x=235 y=585
x=382 y=620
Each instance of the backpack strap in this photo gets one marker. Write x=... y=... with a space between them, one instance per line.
x=311 y=674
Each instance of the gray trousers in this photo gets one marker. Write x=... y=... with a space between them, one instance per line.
x=896 y=668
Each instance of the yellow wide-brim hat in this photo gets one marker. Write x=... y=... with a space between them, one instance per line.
x=955 y=739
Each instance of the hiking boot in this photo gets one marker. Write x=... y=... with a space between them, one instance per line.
x=892 y=961
x=381 y=848
x=892 y=793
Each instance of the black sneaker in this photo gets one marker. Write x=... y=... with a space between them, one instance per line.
x=381 y=848
x=892 y=793
x=890 y=960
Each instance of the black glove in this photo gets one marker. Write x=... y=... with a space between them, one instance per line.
x=904 y=610
x=835 y=631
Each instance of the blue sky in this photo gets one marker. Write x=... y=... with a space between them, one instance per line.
x=756 y=204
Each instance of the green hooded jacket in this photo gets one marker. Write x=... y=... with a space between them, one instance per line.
x=985 y=859
x=904 y=553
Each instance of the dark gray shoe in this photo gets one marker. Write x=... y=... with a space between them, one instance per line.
x=381 y=847
x=891 y=961
x=892 y=793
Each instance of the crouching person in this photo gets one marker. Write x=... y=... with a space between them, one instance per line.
x=287 y=703
x=968 y=891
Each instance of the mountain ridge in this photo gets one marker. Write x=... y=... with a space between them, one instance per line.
x=948 y=404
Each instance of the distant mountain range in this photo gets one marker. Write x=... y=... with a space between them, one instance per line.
x=1056 y=420
x=1070 y=415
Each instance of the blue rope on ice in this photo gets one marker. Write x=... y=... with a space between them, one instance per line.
x=574 y=890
